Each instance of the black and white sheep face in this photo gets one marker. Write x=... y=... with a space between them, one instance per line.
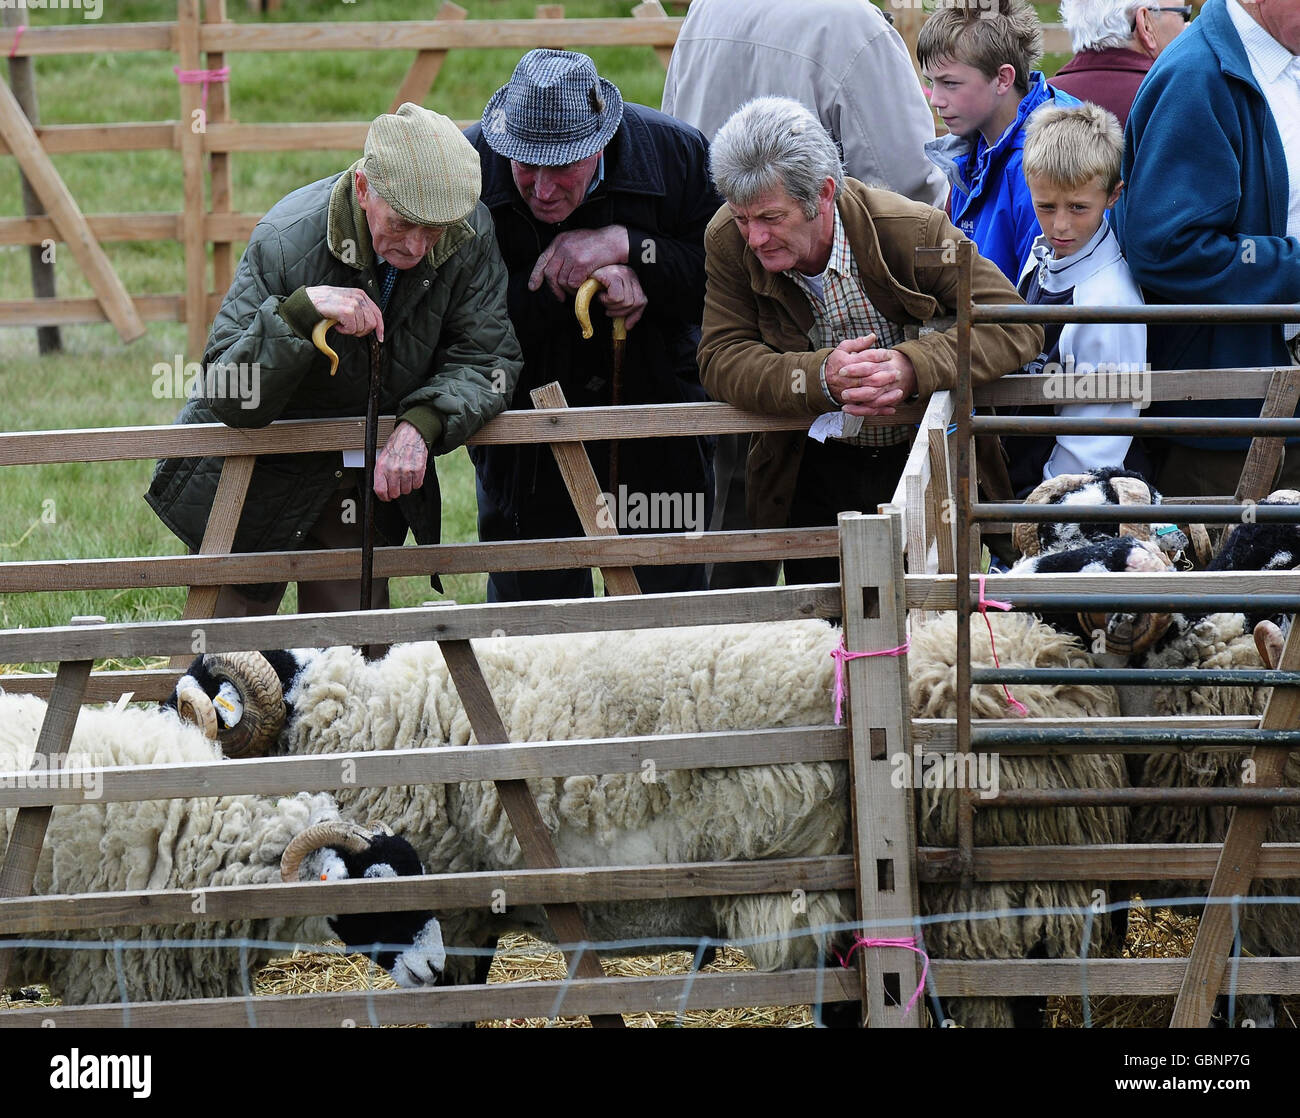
x=410 y=945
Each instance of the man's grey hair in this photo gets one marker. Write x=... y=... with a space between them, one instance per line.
x=1100 y=24
x=771 y=142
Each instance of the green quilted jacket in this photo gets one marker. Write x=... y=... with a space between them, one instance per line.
x=450 y=362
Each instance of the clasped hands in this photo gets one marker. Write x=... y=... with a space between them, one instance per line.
x=865 y=380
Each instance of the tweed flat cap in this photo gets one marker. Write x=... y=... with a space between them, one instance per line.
x=555 y=110
x=419 y=163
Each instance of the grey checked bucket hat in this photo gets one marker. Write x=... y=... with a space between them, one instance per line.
x=555 y=110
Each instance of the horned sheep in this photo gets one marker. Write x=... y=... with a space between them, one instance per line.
x=691 y=681
x=96 y=846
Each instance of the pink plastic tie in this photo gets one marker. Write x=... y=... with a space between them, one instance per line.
x=908 y=943
x=841 y=655
x=984 y=606
x=18 y=34
x=203 y=78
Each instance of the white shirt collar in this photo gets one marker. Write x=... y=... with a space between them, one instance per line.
x=1268 y=55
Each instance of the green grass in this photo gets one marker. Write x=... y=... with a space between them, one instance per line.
x=88 y=511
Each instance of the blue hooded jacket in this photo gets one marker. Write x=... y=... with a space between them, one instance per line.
x=990 y=199
x=1203 y=215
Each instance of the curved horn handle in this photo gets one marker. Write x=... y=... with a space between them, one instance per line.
x=318 y=340
x=582 y=308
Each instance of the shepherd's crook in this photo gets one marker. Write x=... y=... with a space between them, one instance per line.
x=367 y=488
x=582 y=308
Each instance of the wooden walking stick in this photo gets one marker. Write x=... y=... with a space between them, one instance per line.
x=367 y=487
x=582 y=308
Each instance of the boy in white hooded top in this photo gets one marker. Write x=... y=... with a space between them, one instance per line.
x=1072 y=166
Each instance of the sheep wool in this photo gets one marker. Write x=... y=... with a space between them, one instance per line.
x=157 y=844
x=698 y=680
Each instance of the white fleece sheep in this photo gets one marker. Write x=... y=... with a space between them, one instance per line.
x=698 y=680
x=158 y=844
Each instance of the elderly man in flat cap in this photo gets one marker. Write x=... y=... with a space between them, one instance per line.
x=398 y=246
x=582 y=185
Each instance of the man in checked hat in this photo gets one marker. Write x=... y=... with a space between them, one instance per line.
x=398 y=246
x=582 y=185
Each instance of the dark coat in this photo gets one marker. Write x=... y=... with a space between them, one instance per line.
x=1109 y=78
x=656 y=183
x=446 y=336
x=1203 y=215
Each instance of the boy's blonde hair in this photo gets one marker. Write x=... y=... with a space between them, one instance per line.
x=985 y=34
x=1071 y=147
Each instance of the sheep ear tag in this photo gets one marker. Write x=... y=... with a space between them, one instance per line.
x=229 y=706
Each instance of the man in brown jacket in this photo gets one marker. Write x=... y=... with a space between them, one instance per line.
x=811 y=278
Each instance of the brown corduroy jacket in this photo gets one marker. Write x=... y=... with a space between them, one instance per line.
x=755 y=351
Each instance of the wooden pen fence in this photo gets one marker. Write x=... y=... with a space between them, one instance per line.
x=878 y=593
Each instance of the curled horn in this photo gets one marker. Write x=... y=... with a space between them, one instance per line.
x=1025 y=536
x=194 y=706
x=1269 y=642
x=1200 y=540
x=252 y=676
x=342 y=833
x=1133 y=491
x=1127 y=634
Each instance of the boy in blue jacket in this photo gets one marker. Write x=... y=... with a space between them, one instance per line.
x=979 y=63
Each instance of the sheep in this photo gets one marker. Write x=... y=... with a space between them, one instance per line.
x=191 y=845
x=692 y=680
x=1219 y=641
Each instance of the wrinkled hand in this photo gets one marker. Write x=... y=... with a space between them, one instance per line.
x=401 y=464
x=355 y=311
x=866 y=380
x=623 y=295
x=574 y=255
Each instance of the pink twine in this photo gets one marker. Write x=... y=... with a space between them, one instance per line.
x=202 y=77
x=18 y=34
x=841 y=654
x=984 y=604
x=908 y=943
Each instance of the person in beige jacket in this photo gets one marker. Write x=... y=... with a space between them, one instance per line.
x=810 y=280
x=843 y=60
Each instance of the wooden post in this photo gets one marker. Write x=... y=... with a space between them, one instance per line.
x=193 y=127
x=1236 y=869
x=884 y=825
x=652 y=9
x=223 y=252
x=424 y=70
x=549 y=11
x=18 y=874
x=22 y=80
x=584 y=491
x=534 y=839
x=1265 y=455
x=219 y=534
x=18 y=133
